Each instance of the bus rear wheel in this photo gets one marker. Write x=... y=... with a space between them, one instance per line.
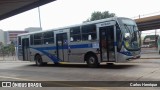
x=92 y=61
x=38 y=60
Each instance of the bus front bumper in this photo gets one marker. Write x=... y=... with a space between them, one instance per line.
x=134 y=57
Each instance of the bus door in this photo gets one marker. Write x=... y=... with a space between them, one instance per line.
x=25 y=49
x=62 y=46
x=107 y=47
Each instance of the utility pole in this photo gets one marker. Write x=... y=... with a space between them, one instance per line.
x=139 y=16
x=39 y=15
x=141 y=42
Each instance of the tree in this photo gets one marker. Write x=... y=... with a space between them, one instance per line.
x=7 y=50
x=100 y=15
x=11 y=48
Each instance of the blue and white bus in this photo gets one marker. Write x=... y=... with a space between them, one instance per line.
x=111 y=40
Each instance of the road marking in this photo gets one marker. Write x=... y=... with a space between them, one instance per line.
x=16 y=78
x=95 y=88
x=92 y=88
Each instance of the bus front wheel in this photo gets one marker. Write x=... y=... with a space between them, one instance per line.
x=38 y=60
x=92 y=61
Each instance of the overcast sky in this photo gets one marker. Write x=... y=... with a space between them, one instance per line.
x=69 y=12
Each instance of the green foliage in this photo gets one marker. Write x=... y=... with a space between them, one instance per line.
x=6 y=50
x=11 y=48
x=3 y=50
x=100 y=15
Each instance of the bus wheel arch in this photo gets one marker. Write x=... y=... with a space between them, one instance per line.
x=38 y=60
x=91 y=59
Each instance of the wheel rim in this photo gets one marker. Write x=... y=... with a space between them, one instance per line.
x=91 y=60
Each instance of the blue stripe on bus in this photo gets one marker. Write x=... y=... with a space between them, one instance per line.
x=123 y=43
x=81 y=46
x=115 y=43
x=127 y=53
x=45 y=48
x=54 y=58
x=65 y=47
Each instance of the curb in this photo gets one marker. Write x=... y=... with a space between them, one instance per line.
x=149 y=58
x=14 y=61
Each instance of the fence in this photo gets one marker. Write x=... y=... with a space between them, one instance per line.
x=8 y=57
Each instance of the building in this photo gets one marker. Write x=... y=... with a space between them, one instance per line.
x=2 y=41
x=10 y=36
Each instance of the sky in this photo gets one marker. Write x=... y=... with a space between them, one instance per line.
x=62 y=13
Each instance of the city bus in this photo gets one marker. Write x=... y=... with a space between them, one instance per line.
x=150 y=41
x=110 y=40
x=158 y=44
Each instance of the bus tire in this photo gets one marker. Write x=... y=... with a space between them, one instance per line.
x=92 y=61
x=56 y=63
x=110 y=64
x=38 y=60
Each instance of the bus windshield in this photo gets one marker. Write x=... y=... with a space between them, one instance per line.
x=131 y=34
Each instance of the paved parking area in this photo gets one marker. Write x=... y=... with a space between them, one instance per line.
x=138 y=70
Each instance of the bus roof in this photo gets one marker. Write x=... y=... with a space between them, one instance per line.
x=82 y=24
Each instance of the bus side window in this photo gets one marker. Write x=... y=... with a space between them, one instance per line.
x=71 y=39
x=89 y=32
x=75 y=34
x=48 y=37
x=38 y=39
x=31 y=39
x=89 y=37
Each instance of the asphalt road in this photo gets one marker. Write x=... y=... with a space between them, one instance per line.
x=146 y=69
x=138 y=70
